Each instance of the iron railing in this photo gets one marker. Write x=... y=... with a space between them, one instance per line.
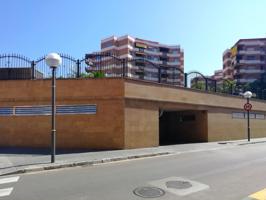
x=15 y=67
x=137 y=68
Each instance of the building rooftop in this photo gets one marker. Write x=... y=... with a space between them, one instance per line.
x=153 y=43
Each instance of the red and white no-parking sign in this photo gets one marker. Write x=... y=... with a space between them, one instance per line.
x=247 y=106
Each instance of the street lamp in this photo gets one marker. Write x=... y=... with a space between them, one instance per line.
x=247 y=95
x=53 y=60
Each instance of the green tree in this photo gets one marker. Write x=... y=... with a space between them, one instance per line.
x=227 y=86
x=200 y=85
x=258 y=87
x=94 y=74
x=98 y=74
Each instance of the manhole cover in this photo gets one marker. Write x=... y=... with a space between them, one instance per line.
x=222 y=142
x=178 y=184
x=149 y=192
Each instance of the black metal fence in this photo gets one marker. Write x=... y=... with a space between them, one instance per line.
x=138 y=68
x=14 y=67
x=198 y=81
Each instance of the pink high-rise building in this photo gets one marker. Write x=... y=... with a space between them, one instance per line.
x=147 y=57
x=245 y=62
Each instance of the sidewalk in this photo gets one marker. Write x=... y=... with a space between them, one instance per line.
x=23 y=160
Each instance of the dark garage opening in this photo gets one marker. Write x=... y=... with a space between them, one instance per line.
x=177 y=127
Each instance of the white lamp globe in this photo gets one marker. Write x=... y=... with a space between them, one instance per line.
x=247 y=94
x=53 y=60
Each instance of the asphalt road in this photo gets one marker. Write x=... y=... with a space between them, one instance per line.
x=227 y=174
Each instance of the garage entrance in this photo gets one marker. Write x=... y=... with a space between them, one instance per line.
x=177 y=127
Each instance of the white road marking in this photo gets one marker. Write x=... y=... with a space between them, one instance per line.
x=5 y=192
x=9 y=180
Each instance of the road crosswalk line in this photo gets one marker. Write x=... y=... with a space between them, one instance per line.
x=260 y=195
x=5 y=192
x=9 y=180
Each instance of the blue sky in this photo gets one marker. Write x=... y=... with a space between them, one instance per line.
x=203 y=28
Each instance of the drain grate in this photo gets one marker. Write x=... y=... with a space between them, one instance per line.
x=149 y=192
x=178 y=184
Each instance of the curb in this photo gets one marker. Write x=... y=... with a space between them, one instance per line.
x=247 y=143
x=53 y=166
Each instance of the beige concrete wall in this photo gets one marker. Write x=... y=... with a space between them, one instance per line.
x=105 y=130
x=221 y=126
x=141 y=124
x=127 y=113
x=168 y=94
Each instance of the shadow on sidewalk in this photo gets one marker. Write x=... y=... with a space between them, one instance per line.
x=41 y=151
x=23 y=165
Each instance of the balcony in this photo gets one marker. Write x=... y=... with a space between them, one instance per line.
x=158 y=62
x=251 y=62
x=249 y=71
x=251 y=52
x=252 y=43
x=172 y=63
x=243 y=80
x=175 y=55
x=157 y=53
x=140 y=54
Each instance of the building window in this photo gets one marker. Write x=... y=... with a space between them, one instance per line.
x=163 y=59
x=242 y=115
x=107 y=44
x=251 y=58
x=240 y=47
x=164 y=50
x=260 y=116
x=251 y=49
x=174 y=52
x=239 y=115
x=153 y=49
x=239 y=57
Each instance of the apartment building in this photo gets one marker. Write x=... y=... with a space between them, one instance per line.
x=228 y=69
x=245 y=62
x=218 y=76
x=147 y=60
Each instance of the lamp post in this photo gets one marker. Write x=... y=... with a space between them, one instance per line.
x=247 y=95
x=53 y=60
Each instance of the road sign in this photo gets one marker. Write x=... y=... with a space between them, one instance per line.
x=247 y=106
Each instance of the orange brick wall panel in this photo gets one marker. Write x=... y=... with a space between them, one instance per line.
x=30 y=131
x=105 y=130
x=101 y=131
x=40 y=90
x=141 y=125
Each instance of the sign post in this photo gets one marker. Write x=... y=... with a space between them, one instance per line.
x=248 y=107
